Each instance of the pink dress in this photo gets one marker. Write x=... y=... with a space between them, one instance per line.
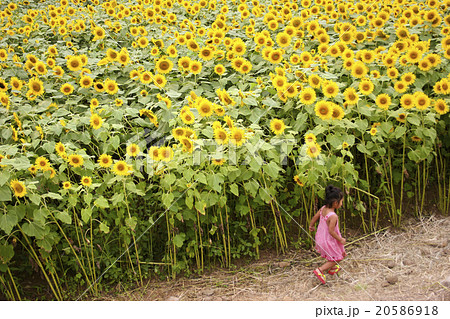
x=326 y=245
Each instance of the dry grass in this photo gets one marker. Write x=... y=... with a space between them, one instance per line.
x=415 y=260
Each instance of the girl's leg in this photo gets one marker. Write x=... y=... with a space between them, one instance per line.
x=326 y=266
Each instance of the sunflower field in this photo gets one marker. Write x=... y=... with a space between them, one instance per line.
x=156 y=138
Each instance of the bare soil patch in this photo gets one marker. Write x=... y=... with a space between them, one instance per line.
x=407 y=264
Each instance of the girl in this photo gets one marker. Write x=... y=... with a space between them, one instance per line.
x=329 y=242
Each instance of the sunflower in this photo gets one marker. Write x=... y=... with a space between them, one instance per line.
x=373 y=131
x=277 y=126
x=279 y=82
x=111 y=86
x=16 y=84
x=19 y=188
x=42 y=163
x=307 y=96
x=60 y=148
x=400 y=87
x=313 y=150
x=314 y=81
x=154 y=153
x=99 y=87
x=422 y=101
x=218 y=161
x=178 y=132
x=67 y=185
x=359 y=70
x=66 y=88
x=133 y=150
x=184 y=63
x=323 y=110
x=75 y=160
x=36 y=86
x=221 y=136
x=441 y=107
x=58 y=71
x=205 y=108
x=166 y=154
x=164 y=66
x=413 y=55
x=291 y=90
x=86 y=82
x=276 y=56
x=74 y=63
x=337 y=113
x=188 y=117
x=188 y=145
x=96 y=121
x=159 y=80
x=99 y=33
x=219 y=69
x=121 y=168
x=40 y=68
x=407 y=101
x=86 y=181
x=237 y=136
x=246 y=67
x=351 y=96
x=383 y=101
x=206 y=53
x=297 y=180
x=123 y=56
x=310 y=138
x=366 y=87
x=402 y=117
x=330 y=89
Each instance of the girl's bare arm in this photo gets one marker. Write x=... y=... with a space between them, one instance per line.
x=331 y=228
x=313 y=221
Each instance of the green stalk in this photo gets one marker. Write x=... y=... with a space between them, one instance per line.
x=228 y=233
x=201 y=241
x=132 y=235
x=378 y=202
x=169 y=239
x=14 y=284
x=403 y=174
x=8 y=290
x=224 y=239
x=37 y=260
x=252 y=221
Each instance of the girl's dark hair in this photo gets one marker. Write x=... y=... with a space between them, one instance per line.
x=332 y=194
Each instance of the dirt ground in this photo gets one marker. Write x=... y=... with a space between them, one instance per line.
x=408 y=264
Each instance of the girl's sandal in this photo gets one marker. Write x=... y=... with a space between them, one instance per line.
x=320 y=276
x=334 y=270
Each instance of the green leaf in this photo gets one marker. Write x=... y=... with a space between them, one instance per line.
x=117 y=198
x=53 y=195
x=399 y=131
x=234 y=189
x=264 y=194
x=6 y=253
x=131 y=222
x=115 y=142
x=4 y=177
x=104 y=228
x=178 y=240
x=5 y=193
x=88 y=198
x=167 y=199
x=251 y=187
x=101 y=202
x=413 y=119
x=189 y=201
x=34 y=229
x=64 y=217
x=73 y=200
x=8 y=221
x=86 y=214
x=35 y=198
x=272 y=169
